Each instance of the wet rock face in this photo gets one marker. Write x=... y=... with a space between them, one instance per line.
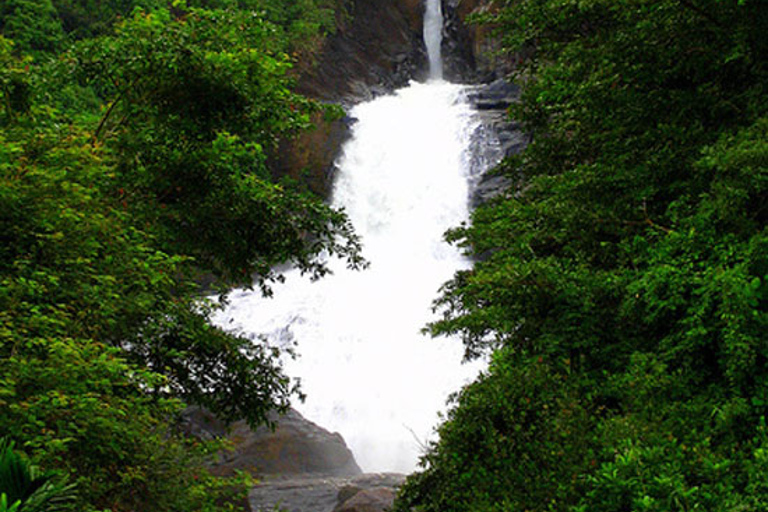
x=310 y=157
x=470 y=49
x=459 y=60
x=378 y=48
x=496 y=137
x=496 y=96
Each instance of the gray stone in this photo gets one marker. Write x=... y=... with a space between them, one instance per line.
x=496 y=95
x=200 y=423
x=321 y=494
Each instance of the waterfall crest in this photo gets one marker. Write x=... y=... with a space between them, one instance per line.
x=433 y=38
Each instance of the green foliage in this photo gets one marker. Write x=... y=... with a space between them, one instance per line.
x=83 y=19
x=192 y=107
x=44 y=26
x=24 y=488
x=5 y=506
x=516 y=440
x=14 y=82
x=80 y=285
x=635 y=251
x=32 y=24
x=130 y=165
x=299 y=25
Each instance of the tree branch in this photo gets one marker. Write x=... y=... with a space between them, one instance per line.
x=701 y=12
x=111 y=108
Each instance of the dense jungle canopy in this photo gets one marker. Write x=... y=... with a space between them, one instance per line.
x=133 y=143
x=621 y=287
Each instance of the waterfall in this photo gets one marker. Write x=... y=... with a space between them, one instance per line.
x=433 y=38
x=368 y=371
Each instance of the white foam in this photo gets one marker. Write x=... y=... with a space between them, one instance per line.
x=367 y=370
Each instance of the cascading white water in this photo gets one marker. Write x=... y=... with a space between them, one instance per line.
x=367 y=370
x=433 y=37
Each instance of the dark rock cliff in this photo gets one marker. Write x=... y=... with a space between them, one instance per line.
x=471 y=51
x=378 y=48
x=310 y=157
x=459 y=59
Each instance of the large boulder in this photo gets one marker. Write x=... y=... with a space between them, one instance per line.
x=379 y=499
x=295 y=447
